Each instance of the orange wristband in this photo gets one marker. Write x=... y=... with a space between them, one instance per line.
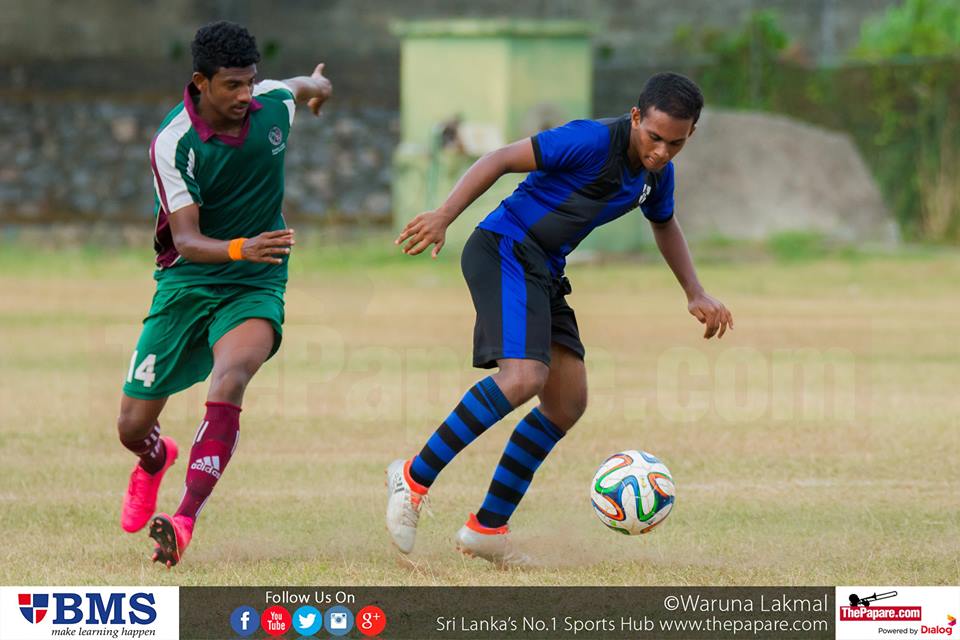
x=235 y=249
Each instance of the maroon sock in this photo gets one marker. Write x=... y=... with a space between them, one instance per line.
x=150 y=450
x=215 y=442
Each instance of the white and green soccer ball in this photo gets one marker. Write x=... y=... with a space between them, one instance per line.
x=632 y=492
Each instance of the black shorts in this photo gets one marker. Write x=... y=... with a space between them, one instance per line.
x=521 y=308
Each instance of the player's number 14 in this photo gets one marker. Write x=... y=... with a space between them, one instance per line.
x=144 y=372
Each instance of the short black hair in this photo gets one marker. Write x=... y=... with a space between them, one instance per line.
x=223 y=44
x=676 y=95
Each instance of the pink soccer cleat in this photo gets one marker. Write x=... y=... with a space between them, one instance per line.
x=140 y=501
x=172 y=535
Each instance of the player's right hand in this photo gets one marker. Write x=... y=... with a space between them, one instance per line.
x=424 y=230
x=269 y=246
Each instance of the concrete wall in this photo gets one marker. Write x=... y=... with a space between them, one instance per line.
x=84 y=84
x=143 y=45
x=78 y=159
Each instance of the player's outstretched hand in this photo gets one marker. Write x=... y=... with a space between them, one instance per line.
x=316 y=103
x=711 y=312
x=269 y=246
x=426 y=229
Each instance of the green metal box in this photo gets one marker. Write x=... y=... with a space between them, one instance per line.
x=494 y=81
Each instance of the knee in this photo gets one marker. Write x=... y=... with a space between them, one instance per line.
x=230 y=382
x=519 y=384
x=577 y=405
x=131 y=426
x=566 y=411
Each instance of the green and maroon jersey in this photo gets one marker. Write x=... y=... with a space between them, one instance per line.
x=237 y=181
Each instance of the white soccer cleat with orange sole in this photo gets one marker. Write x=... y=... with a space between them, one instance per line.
x=493 y=545
x=405 y=499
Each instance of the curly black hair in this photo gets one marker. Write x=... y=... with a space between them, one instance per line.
x=223 y=44
x=676 y=95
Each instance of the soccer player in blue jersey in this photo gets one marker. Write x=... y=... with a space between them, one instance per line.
x=581 y=175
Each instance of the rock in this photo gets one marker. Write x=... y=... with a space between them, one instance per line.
x=378 y=203
x=752 y=175
x=319 y=180
x=124 y=129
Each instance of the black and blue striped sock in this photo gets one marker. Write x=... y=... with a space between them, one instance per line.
x=528 y=446
x=482 y=407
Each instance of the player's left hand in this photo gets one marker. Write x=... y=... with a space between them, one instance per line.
x=316 y=103
x=711 y=312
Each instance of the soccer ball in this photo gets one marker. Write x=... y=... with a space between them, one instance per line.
x=632 y=492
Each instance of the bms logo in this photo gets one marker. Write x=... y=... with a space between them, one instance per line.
x=89 y=608
x=33 y=606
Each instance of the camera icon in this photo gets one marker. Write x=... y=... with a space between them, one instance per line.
x=338 y=620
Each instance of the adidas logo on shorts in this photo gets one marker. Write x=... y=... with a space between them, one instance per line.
x=207 y=464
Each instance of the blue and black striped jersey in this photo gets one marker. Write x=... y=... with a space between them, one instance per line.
x=583 y=180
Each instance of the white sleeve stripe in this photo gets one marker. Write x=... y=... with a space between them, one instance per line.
x=266 y=86
x=168 y=181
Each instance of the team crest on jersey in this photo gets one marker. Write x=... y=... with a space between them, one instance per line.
x=275 y=136
x=643 y=194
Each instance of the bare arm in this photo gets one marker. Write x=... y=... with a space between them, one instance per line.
x=430 y=227
x=190 y=243
x=705 y=308
x=673 y=248
x=314 y=89
x=514 y=158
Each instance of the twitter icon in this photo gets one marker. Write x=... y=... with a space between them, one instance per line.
x=307 y=620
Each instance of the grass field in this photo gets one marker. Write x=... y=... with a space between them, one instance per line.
x=816 y=444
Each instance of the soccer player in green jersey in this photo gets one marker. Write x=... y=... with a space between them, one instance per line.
x=222 y=247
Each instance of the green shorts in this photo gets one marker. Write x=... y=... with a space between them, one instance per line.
x=175 y=349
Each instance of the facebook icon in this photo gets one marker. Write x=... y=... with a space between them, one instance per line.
x=245 y=621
